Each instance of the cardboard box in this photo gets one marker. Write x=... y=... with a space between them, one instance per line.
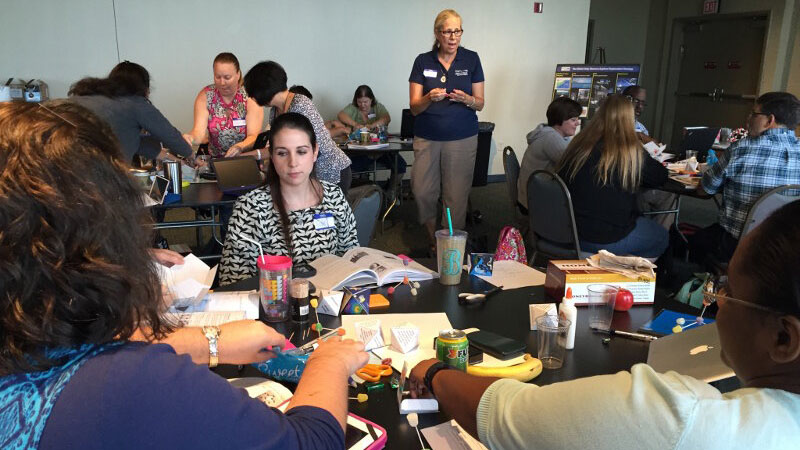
x=578 y=275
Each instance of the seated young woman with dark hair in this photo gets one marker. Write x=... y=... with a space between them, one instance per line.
x=280 y=215
x=76 y=282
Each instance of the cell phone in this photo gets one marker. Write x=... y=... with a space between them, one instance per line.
x=360 y=433
x=500 y=347
x=262 y=140
x=303 y=270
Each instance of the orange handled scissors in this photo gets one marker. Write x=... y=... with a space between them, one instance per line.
x=374 y=372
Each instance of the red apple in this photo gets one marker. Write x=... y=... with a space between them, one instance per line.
x=624 y=300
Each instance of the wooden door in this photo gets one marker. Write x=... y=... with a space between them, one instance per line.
x=719 y=72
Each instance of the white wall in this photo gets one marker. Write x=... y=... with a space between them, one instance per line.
x=330 y=47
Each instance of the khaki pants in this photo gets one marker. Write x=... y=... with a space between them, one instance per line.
x=443 y=168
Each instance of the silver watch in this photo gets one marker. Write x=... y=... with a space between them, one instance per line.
x=212 y=334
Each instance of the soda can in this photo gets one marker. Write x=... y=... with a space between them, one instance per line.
x=452 y=348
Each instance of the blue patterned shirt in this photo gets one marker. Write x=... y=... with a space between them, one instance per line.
x=640 y=128
x=750 y=168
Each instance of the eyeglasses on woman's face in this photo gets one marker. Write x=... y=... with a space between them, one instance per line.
x=450 y=33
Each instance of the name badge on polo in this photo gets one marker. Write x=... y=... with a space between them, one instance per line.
x=239 y=122
x=462 y=72
x=324 y=221
x=429 y=73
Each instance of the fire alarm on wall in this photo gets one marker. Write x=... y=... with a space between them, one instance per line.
x=537 y=7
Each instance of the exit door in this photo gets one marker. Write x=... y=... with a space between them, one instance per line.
x=719 y=72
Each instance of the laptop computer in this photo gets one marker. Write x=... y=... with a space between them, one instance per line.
x=407 y=125
x=158 y=191
x=699 y=138
x=237 y=175
x=694 y=352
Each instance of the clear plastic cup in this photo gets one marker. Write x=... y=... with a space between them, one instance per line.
x=601 y=305
x=274 y=275
x=551 y=337
x=450 y=255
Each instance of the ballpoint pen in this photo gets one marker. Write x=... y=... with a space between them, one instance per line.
x=628 y=334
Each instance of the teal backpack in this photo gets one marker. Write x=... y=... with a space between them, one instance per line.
x=691 y=292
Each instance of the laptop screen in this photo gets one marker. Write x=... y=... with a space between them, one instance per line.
x=159 y=189
x=237 y=174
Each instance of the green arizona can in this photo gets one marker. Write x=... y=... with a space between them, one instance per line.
x=452 y=348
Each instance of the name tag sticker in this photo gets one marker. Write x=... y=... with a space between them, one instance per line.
x=429 y=73
x=371 y=116
x=239 y=122
x=462 y=72
x=324 y=221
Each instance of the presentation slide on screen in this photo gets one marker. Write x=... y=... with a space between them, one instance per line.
x=589 y=84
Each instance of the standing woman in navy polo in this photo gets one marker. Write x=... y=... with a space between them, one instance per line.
x=445 y=90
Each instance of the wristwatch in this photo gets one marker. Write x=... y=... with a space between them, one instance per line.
x=212 y=334
x=431 y=372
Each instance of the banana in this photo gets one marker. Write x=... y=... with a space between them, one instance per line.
x=524 y=371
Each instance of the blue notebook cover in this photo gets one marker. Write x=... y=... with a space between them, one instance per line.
x=665 y=320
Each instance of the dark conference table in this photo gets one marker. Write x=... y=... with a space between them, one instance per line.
x=505 y=313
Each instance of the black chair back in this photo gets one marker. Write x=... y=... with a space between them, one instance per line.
x=511 y=167
x=551 y=217
x=407 y=124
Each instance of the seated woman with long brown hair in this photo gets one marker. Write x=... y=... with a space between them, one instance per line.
x=293 y=214
x=77 y=280
x=604 y=167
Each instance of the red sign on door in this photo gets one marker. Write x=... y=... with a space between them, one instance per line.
x=734 y=65
x=708 y=65
x=710 y=6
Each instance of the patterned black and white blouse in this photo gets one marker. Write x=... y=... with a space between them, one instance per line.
x=256 y=218
x=331 y=160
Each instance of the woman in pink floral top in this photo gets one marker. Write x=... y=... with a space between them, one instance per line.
x=224 y=116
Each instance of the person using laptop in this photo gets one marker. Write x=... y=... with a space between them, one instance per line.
x=224 y=116
x=769 y=157
x=81 y=281
x=759 y=331
x=266 y=84
x=292 y=214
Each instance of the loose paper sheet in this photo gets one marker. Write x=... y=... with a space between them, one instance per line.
x=429 y=326
x=246 y=301
x=450 y=435
x=186 y=284
x=205 y=319
x=513 y=275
